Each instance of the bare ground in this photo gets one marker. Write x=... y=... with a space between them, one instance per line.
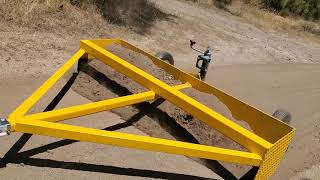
x=51 y=158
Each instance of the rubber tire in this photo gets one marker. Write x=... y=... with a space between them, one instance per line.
x=165 y=56
x=282 y=115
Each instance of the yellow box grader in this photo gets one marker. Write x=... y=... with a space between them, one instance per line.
x=266 y=144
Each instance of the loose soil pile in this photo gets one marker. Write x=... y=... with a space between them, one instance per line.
x=157 y=118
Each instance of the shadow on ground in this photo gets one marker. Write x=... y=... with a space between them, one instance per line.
x=137 y=15
x=25 y=157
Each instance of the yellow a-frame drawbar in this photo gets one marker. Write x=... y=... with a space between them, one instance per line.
x=266 y=145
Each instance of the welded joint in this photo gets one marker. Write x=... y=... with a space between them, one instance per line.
x=5 y=127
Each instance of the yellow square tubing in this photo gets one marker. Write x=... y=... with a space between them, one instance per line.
x=135 y=141
x=90 y=108
x=266 y=147
x=234 y=131
x=28 y=103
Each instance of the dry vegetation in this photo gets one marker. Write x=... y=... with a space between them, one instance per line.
x=49 y=15
x=308 y=9
x=75 y=14
x=272 y=20
x=257 y=12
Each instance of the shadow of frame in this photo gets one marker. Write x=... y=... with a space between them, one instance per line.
x=25 y=157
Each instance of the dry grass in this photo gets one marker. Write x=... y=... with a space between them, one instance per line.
x=75 y=15
x=48 y=14
x=52 y=15
x=252 y=11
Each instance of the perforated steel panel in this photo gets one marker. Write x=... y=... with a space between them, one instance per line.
x=273 y=157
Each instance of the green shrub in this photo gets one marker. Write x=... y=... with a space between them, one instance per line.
x=309 y=9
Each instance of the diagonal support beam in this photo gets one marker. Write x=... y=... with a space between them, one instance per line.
x=234 y=131
x=136 y=141
x=90 y=108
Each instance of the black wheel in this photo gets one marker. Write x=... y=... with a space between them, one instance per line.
x=282 y=115
x=165 y=56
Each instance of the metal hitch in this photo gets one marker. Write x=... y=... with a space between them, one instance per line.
x=4 y=127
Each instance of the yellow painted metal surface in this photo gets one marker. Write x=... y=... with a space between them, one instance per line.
x=90 y=108
x=28 y=103
x=136 y=141
x=95 y=107
x=227 y=127
x=266 y=144
x=273 y=157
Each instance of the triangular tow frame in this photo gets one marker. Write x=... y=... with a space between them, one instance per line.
x=266 y=145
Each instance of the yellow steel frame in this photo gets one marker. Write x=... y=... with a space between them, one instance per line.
x=266 y=145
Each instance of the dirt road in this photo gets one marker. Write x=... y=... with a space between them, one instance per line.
x=290 y=86
x=53 y=158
